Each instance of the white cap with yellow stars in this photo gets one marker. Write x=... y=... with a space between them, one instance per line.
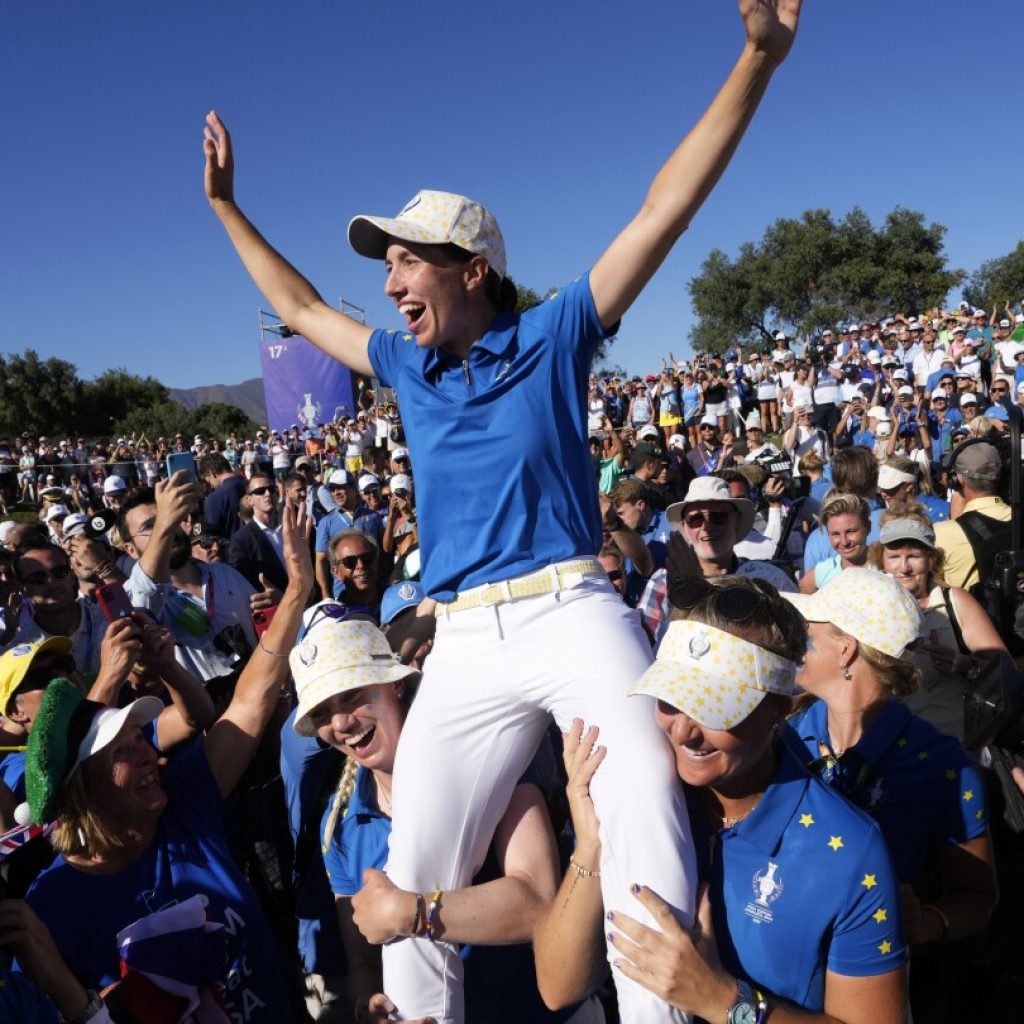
x=870 y=606
x=714 y=677
x=433 y=218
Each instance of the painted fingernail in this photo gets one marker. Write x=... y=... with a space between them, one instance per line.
x=611 y=915
x=634 y=889
x=611 y=938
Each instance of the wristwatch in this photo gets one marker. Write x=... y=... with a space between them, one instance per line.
x=750 y=1007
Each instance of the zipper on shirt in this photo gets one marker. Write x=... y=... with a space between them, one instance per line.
x=465 y=370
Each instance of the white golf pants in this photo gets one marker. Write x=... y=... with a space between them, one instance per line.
x=493 y=677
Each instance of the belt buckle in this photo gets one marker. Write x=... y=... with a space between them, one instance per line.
x=492 y=594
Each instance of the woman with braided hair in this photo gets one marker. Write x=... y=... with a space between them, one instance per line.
x=354 y=695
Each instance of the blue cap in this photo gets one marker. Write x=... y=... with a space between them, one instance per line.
x=997 y=412
x=398 y=598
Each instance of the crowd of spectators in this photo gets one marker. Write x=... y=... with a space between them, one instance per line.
x=277 y=630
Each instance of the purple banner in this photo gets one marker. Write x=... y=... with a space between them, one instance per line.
x=302 y=385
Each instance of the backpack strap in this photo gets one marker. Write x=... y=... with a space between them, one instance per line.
x=987 y=537
x=954 y=622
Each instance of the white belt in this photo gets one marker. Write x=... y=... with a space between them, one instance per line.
x=561 y=576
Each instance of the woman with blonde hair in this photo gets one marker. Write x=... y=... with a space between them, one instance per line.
x=846 y=521
x=861 y=738
x=957 y=633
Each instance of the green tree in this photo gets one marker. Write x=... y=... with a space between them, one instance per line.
x=998 y=282
x=39 y=395
x=114 y=396
x=167 y=418
x=812 y=272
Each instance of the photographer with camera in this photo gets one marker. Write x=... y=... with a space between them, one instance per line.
x=971 y=540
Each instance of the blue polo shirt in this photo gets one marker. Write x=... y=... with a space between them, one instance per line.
x=505 y=483
x=917 y=783
x=802 y=885
x=338 y=520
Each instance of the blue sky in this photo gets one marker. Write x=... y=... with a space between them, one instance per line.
x=555 y=115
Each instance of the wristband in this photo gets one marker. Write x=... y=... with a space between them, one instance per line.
x=273 y=654
x=418 y=916
x=431 y=922
x=582 y=872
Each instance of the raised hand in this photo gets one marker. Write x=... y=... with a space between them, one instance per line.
x=220 y=161
x=771 y=26
x=296 y=527
x=582 y=758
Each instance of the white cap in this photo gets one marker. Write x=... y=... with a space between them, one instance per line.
x=878 y=412
x=677 y=441
x=114 y=485
x=400 y=453
x=368 y=480
x=780 y=336
x=340 y=478
x=648 y=431
x=75 y=524
x=55 y=512
x=1004 y=322
x=874 y=357
x=905 y=390
x=968 y=398
x=870 y=606
x=400 y=482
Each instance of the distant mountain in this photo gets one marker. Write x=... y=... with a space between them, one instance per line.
x=247 y=396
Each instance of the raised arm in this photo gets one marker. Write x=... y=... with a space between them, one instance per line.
x=294 y=299
x=233 y=738
x=691 y=172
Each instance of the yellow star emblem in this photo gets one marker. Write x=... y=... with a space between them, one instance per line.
x=880 y=915
x=807 y=820
x=406 y=337
x=869 y=882
x=950 y=774
x=902 y=741
x=885 y=947
x=968 y=795
x=923 y=756
x=979 y=815
x=835 y=842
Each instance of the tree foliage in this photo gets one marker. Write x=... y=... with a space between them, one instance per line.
x=812 y=272
x=167 y=418
x=108 y=399
x=39 y=394
x=998 y=282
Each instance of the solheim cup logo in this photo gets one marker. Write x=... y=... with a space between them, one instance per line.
x=309 y=411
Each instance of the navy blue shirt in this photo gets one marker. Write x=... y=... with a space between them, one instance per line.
x=917 y=783
x=803 y=885
x=508 y=423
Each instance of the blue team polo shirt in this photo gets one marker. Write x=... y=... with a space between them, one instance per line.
x=802 y=885
x=505 y=482
x=917 y=783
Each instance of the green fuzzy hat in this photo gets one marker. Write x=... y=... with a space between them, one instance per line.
x=62 y=722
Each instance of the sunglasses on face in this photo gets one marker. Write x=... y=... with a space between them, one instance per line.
x=736 y=604
x=257 y=492
x=208 y=542
x=716 y=516
x=367 y=559
x=616 y=574
x=37 y=579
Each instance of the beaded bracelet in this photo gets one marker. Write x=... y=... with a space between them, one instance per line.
x=583 y=872
x=430 y=926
